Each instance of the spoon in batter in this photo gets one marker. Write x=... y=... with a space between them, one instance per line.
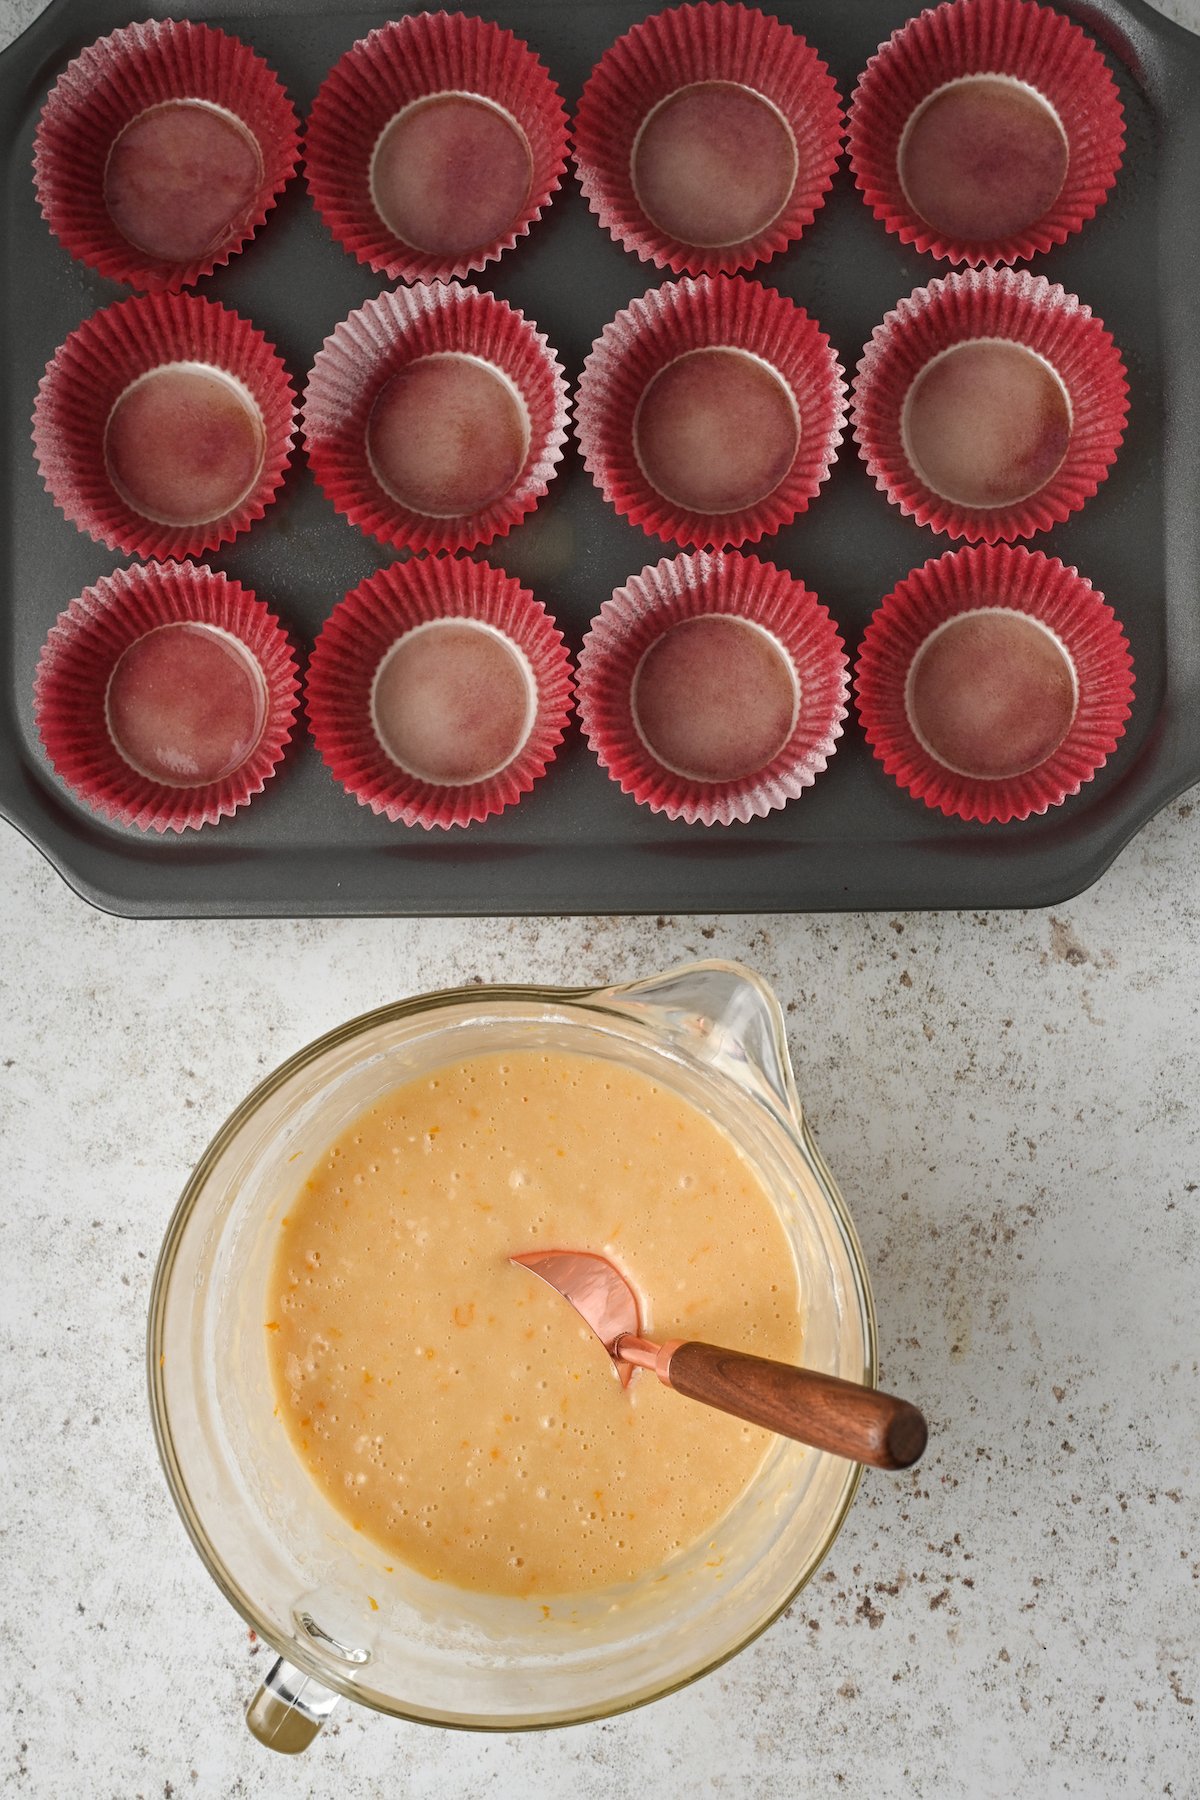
x=842 y=1417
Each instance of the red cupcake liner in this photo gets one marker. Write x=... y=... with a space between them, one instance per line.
x=387 y=335
x=1036 y=46
x=407 y=60
x=710 y=312
x=86 y=643
x=99 y=361
x=1019 y=308
x=691 y=587
x=348 y=654
x=678 y=49
x=113 y=82
x=997 y=577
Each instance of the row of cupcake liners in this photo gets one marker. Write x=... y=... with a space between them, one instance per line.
x=375 y=351
x=180 y=725
x=717 y=56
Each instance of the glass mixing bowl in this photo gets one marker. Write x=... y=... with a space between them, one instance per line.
x=341 y=1623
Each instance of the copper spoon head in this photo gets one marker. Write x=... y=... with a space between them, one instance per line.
x=599 y=1293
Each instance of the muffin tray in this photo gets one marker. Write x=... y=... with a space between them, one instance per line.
x=576 y=844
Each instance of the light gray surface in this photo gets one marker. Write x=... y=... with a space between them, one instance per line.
x=1011 y=1104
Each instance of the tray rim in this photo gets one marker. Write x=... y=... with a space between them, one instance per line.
x=105 y=874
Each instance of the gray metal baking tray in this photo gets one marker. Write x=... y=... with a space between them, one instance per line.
x=576 y=844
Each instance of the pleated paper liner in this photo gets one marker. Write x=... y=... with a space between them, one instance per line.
x=161 y=150
x=438 y=691
x=433 y=145
x=713 y=688
x=995 y=170
x=707 y=138
x=726 y=395
x=993 y=683
x=965 y=431
x=163 y=425
x=441 y=397
x=165 y=695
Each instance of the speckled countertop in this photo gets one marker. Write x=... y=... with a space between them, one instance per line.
x=1012 y=1105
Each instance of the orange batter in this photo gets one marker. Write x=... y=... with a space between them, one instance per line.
x=455 y=1409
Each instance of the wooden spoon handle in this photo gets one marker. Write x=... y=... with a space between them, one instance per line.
x=821 y=1410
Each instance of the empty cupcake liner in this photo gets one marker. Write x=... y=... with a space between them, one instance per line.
x=710 y=312
x=691 y=587
x=100 y=361
x=384 y=338
x=409 y=60
x=1015 y=307
x=1032 y=44
x=75 y=670
x=679 y=49
x=349 y=652
x=1006 y=578
x=115 y=81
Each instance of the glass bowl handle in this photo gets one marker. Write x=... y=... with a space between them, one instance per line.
x=289 y=1709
